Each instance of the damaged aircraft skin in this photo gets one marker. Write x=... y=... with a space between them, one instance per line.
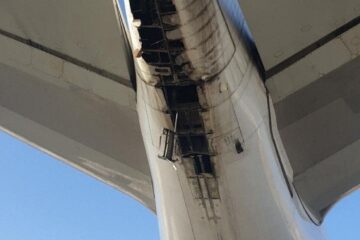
x=231 y=120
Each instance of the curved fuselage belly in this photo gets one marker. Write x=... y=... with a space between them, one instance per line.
x=215 y=169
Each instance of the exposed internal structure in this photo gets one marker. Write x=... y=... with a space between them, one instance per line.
x=184 y=45
x=158 y=18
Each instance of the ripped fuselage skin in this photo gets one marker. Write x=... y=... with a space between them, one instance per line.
x=217 y=162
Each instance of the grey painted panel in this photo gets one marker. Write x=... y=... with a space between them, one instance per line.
x=320 y=135
x=87 y=30
x=99 y=124
x=344 y=83
x=284 y=27
x=93 y=134
x=320 y=129
x=330 y=180
x=321 y=118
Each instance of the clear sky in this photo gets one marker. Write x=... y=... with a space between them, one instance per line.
x=44 y=199
x=343 y=221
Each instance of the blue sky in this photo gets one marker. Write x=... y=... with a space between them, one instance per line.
x=342 y=222
x=44 y=199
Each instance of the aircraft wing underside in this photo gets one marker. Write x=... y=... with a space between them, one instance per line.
x=310 y=52
x=65 y=88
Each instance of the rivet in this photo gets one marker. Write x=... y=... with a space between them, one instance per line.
x=223 y=87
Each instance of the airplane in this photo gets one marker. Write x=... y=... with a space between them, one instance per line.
x=228 y=119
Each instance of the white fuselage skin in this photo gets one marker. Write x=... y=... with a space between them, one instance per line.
x=255 y=202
